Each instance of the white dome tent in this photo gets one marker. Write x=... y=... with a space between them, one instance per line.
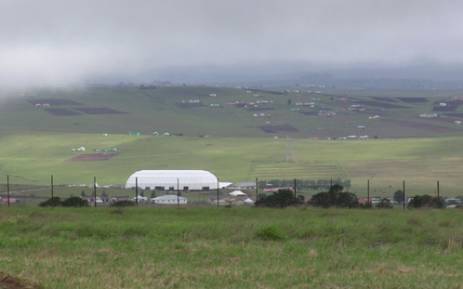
x=170 y=180
x=237 y=194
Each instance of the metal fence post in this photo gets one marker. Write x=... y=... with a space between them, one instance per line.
x=403 y=191
x=94 y=192
x=52 y=187
x=8 y=190
x=178 y=193
x=257 y=188
x=136 y=191
x=438 y=190
x=368 y=193
x=218 y=188
x=295 y=188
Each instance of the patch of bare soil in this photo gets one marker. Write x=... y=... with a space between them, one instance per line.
x=62 y=112
x=278 y=128
x=93 y=157
x=10 y=282
x=98 y=110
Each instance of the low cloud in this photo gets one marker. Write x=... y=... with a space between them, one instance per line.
x=55 y=42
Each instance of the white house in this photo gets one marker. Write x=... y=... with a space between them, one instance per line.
x=169 y=200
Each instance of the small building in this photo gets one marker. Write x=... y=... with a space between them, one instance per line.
x=243 y=185
x=169 y=200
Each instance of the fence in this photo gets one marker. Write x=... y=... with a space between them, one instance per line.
x=17 y=194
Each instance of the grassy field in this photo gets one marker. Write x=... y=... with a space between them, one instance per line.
x=35 y=143
x=161 y=109
x=30 y=159
x=233 y=248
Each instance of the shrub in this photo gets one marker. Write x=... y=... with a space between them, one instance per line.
x=426 y=201
x=124 y=203
x=51 y=202
x=398 y=197
x=335 y=197
x=270 y=233
x=280 y=199
x=75 y=202
x=384 y=204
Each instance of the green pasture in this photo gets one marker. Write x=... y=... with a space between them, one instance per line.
x=32 y=158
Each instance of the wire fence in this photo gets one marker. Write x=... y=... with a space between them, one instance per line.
x=13 y=192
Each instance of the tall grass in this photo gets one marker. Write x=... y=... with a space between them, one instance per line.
x=233 y=248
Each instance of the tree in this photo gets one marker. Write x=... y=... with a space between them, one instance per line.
x=335 y=197
x=398 y=196
x=280 y=199
x=426 y=201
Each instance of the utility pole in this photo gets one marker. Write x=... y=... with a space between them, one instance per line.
x=94 y=192
x=403 y=191
x=136 y=191
x=8 y=190
x=52 y=187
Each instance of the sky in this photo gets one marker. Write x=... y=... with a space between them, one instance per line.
x=56 y=42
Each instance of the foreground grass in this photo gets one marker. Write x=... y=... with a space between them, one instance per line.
x=233 y=248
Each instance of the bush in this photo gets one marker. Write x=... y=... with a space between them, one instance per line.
x=384 y=204
x=125 y=203
x=335 y=197
x=398 y=197
x=426 y=201
x=270 y=233
x=51 y=202
x=75 y=202
x=280 y=199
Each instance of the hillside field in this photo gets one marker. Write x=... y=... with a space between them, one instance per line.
x=237 y=133
x=32 y=158
x=232 y=248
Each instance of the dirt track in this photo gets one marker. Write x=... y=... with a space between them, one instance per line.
x=9 y=282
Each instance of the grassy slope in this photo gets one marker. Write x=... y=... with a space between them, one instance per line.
x=32 y=158
x=155 y=109
x=209 y=248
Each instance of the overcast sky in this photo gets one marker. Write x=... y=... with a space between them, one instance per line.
x=72 y=41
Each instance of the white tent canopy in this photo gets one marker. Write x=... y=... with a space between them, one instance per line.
x=184 y=180
x=237 y=194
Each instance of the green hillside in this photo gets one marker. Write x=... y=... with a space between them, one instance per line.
x=32 y=158
x=302 y=134
x=228 y=112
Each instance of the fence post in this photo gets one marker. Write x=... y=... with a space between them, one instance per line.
x=52 y=187
x=438 y=190
x=368 y=193
x=178 y=193
x=8 y=190
x=94 y=192
x=257 y=188
x=295 y=188
x=218 y=188
x=403 y=191
x=136 y=191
